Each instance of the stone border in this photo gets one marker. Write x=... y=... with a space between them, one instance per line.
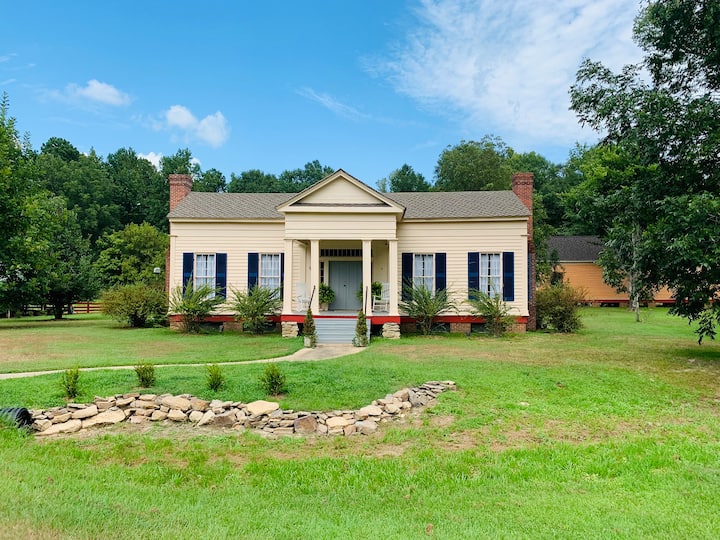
x=264 y=416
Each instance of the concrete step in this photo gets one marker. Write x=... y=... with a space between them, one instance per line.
x=332 y=331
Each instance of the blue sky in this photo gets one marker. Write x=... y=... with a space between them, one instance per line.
x=365 y=86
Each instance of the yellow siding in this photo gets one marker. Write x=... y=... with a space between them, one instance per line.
x=588 y=277
x=457 y=239
x=340 y=226
x=341 y=191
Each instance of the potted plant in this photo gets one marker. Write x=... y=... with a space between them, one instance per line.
x=326 y=296
x=309 y=332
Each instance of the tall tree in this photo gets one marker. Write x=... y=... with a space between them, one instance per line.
x=211 y=180
x=405 y=179
x=669 y=127
x=295 y=180
x=253 y=181
x=474 y=166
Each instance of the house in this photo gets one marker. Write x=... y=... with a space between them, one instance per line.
x=347 y=235
x=578 y=265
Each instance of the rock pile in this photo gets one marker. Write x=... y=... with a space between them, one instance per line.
x=265 y=416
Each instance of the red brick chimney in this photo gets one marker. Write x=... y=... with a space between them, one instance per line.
x=180 y=186
x=522 y=186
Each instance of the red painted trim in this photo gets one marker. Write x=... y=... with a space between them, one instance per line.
x=222 y=318
x=461 y=319
x=382 y=319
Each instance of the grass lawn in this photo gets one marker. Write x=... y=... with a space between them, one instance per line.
x=613 y=432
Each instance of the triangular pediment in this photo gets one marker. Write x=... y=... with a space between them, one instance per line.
x=340 y=192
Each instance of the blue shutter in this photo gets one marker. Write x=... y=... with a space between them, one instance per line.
x=440 y=273
x=508 y=286
x=221 y=274
x=188 y=264
x=473 y=273
x=407 y=274
x=282 y=274
x=253 y=261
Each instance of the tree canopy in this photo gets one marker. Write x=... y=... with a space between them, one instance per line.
x=474 y=166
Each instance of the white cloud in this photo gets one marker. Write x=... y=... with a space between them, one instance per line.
x=509 y=64
x=99 y=92
x=332 y=104
x=213 y=129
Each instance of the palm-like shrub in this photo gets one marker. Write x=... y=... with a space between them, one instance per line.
x=424 y=305
x=493 y=310
x=135 y=304
x=193 y=305
x=254 y=306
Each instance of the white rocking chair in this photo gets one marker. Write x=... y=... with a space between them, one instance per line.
x=382 y=302
x=301 y=298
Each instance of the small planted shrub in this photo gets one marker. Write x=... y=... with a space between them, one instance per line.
x=145 y=374
x=273 y=381
x=193 y=305
x=215 y=377
x=70 y=382
x=309 y=330
x=424 y=305
x=493 y=310
x=361 y=331
x=254 y=306
x=557 y=307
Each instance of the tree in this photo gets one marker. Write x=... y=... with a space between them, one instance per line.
x=211 y=180
x=668 y=128
x=294 y=181
x=181 y=162
x=474 y=166
x=131 y=255
x=253 y=181
x=405 y=179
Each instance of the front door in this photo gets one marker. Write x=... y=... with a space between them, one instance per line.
x=345 y=278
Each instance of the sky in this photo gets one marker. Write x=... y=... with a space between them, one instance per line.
x=364 y=86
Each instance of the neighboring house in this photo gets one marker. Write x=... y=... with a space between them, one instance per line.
x=343 y=233
x=578 y=265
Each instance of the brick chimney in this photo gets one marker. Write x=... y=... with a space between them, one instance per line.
x=180 y=186
x=522 y=186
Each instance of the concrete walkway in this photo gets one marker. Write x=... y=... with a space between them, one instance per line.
x=321 y=352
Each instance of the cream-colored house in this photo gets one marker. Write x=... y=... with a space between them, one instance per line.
x=343 y=233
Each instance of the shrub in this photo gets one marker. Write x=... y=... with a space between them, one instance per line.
x=309 y=328
x=135 y=304
x=253 y=306
x=145 y=374
x=493 y=310
x=424 y=305
x=557 y=307
x=193 y=305
x=215 y=377
x=361 y=331
x=326 y=295
x=273 y=381
x=70 y=382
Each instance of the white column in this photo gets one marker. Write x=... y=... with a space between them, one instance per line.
x=288 y=278
x=393 y=276
x=315 y=275
x=367 y=275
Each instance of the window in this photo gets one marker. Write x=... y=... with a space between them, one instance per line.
x=424 y=271
x=205 y=271
x=270 y=270
x=490 y=274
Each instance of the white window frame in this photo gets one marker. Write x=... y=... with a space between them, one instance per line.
x=205 y=271
x=269 y=272
x=424 y=270
x=490 y=273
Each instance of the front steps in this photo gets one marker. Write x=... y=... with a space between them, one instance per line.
x=335 y=330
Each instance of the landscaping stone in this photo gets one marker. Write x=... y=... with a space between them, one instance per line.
x=258 y=408
x=176 y=415
x=106 y=417
x=306 y=424
x=87 y=412
x=71 y=426
x=176 y=402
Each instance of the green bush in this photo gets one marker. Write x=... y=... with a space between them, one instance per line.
x=493 y=310
x=557 y=307
x=193 y=305
x=145 y=374
x=254 y=306
x=424 y=305
x=215 y=377
x=70 y=382
x=326 y=295
x=361 y=331
x=309 y=328
x=135 y=304
x=273 y=381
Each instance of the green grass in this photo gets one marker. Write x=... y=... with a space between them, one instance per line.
x=36 y=344
x=609 y=433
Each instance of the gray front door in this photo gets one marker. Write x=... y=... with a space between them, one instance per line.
x=346 y=280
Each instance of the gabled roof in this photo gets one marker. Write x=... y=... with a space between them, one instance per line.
x=425 y=205
x=576 y=248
